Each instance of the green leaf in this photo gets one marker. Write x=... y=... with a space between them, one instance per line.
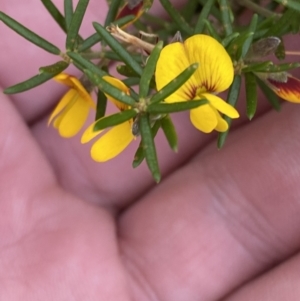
x=149 y=70
x=114 y=119
x=280 y=50
x=83 y=64
x=101 y=105
x=131 y=81
x=174 y=84
x=55 y=13
x=29 y=84
x=149 y=147
x=68 y=8
x=235 y=48
x=163 y=108
x=212 y=31
x=76 y=21
x=256 y=67
x=28 y=34
x=270 y=68
x=139 y=155
x=126 y=71
x=251 y=94
x=109 y=89
x=170 y=132
x=270 y=95
x=112 y=12
x=232 y=98
x=200 y=25
x=56 y=68
x=227 y=40
x=89 y=42
x=242 y=51
x=176 y=17
x=118 y=48
x=226 y=16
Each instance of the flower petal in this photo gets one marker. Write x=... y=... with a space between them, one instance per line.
x=215 y=73
x=73 y=118
x=222 y=125
x=119 y=85
x=90 y=134
x=112 y=143
x=66 y=99
x=172 y=61
x=204 y=118
x=221 y=105
x=289 y=90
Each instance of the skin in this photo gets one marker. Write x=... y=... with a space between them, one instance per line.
x=222 y=225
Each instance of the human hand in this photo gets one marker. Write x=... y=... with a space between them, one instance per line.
x=72 y=229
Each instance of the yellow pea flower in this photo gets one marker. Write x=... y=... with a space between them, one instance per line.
x=214 y=74
x=72 y=110
x=116 y=139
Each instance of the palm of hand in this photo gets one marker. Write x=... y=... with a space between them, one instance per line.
x=75 y=230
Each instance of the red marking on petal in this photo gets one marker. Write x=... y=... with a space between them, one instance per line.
x=127 y=11
x=289 y=90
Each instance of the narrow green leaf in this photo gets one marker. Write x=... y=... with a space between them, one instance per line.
x=149 y=147
x=163 y=108
x=226 y=16
x=68 y=9
x=139 y=155
x=109 y=89
x=280 y=50
x=55 y=13
x=235 y=47
x=214 y=10
x=212 y=31
x=251 y=94
x=200 y=25
x=189 y=9
x=114 y=119
x=131 y=81
x=83 y=64
x=149 y=70
x=56 y=68
x=242 y=51
x=228 y=39
x=270 y=95
x=101 y=105
x=29 y=84
x=170 y=132
x=290 y=3
x=118 y=48
x=89 y=42
x=112 y=12
x=28 y=34
x=176 y=17
x=257 y=67
x=76 y=21
x=232 y=99
x=173 y=85
x=126 y=71
x=271 y=68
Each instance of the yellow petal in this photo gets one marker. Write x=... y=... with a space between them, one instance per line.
x=64 y=78
x=66 y=99
x=215 y=73
x=289 y=90
x=73 y=118
x=222 y=125
x=90 y=134
x=112 y=143
x=221 y=105
x=204 y=118
x=119 y=85
x=172 y=61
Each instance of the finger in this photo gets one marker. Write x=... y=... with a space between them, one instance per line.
x=221 y=219
x=280 y=283
x=50 y=240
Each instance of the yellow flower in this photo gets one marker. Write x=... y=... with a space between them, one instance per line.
x=115 y=140
x=288 y=89
x=214 y=75
x=72 y=111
